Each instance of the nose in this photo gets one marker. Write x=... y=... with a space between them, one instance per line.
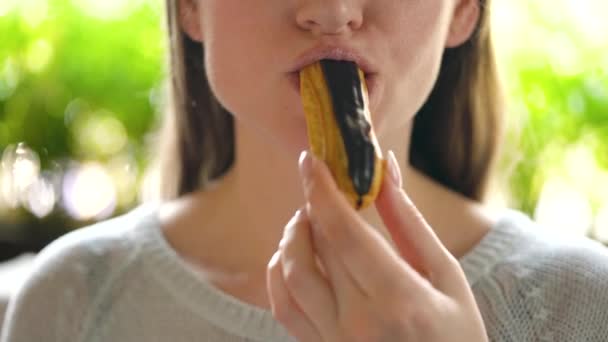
x=329 y=17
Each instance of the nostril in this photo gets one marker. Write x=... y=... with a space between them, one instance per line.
x=334 y=18
x=355 y=24
x=309 y=24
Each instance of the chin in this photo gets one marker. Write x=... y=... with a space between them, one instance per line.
x=286 y=138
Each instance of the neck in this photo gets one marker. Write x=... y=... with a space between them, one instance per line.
x=264 y=181
x=251 y=204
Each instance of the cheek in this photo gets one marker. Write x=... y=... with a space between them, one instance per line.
x=416 y=53
x=229 y=75
x=245 y=78
x=421 y=72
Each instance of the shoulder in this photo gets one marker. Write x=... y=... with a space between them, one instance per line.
x=82 y=250
x=558 y=259
x=548 y=281
x=68 y=275
x=519 y=243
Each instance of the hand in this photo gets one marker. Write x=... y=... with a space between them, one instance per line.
x=334 y=278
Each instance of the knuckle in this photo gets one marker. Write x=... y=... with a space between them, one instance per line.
x=328 y=206
x=284 y=313
x=271 y=271
x=422 y=318
x=449 y=262
x=316 y=193
x=274 y=263
x=297 y=222
x=294 y=275
x=447 y=270
x=414 y=215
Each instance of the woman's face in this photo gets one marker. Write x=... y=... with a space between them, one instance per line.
x=254 y=49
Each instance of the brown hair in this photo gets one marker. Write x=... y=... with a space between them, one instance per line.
x=455 y=137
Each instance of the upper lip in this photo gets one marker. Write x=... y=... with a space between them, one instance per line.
x=335 y=52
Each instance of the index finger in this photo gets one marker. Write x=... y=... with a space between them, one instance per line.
x=367 y=256
x=415 y=239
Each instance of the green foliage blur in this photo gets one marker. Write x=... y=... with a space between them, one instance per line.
x=53 y=53
x=81 y=80
x=554 y=55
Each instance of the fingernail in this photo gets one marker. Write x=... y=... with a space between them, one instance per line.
x=394 y=171
x=274 y=259
x=297 y=217
x=305 y=164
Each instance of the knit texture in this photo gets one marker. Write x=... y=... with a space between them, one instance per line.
x=120 y=281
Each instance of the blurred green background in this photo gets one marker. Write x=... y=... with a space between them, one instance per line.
x=81 y=86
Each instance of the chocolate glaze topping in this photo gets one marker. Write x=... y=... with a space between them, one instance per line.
x=342 y=78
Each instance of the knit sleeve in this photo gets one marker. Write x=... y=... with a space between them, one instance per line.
x=58 y=301
x=548 y=294
x=579 y=310
x=52 y=303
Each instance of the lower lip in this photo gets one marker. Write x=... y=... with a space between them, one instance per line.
x=370 y=81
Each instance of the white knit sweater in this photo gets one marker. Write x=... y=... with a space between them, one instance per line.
x=120 y=281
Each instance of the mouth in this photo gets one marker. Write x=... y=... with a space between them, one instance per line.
x=340 y=52
x=334 y=52
x=370 y=82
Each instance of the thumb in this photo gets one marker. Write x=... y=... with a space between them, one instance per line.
x=326 y=205
x=414 y=238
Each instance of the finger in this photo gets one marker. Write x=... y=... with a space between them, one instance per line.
x=346 y=289
x=284 y=308
x=368 y=257
x=415 y=239
x=303 y=279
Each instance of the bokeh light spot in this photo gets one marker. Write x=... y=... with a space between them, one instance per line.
x=40 y=197
x=564 y=208
x=7 y=6
x=9 y=78
x=565 y=60
x=39 y=55
x=601 y=223
x=123 y=170
x=107 y=9
x=20 y=169
x=88 y=192
x=34 y=12
x=100 y=134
